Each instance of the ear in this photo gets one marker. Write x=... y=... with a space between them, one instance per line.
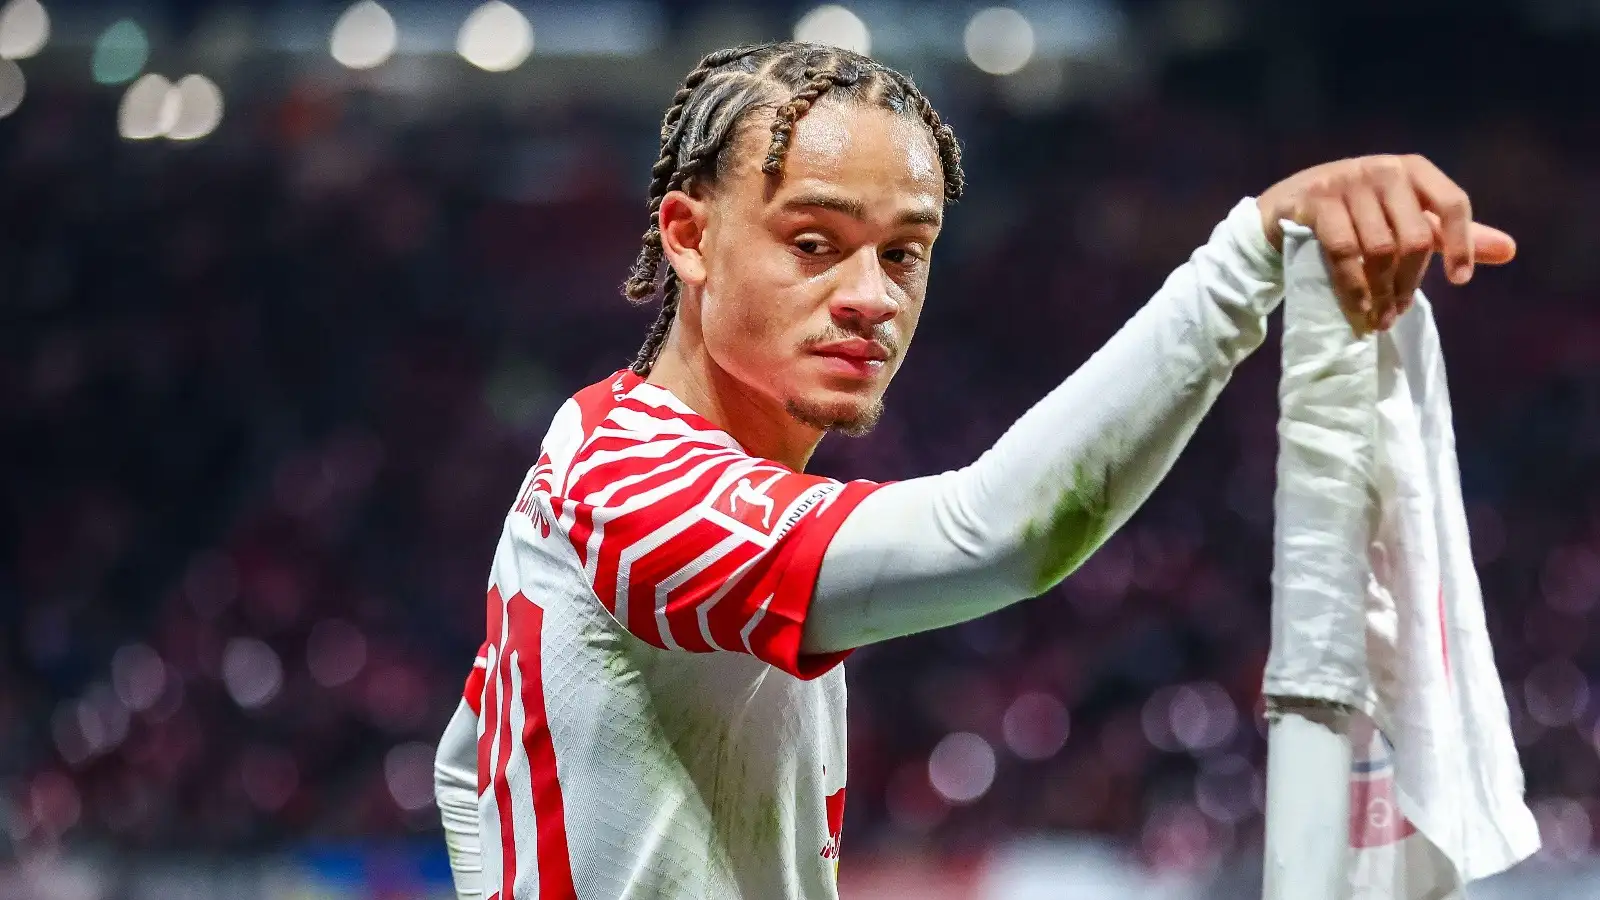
x=683 y=227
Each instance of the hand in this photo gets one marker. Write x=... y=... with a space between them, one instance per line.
x=1379 y=220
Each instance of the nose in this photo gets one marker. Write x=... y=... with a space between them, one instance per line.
x=862 y=293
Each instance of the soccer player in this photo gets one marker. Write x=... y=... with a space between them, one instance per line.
x=659 y=708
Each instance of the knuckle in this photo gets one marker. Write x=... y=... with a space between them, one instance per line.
x=1341 y=247
x=1382 y=248
x=1384 y=169
x=1415 y=243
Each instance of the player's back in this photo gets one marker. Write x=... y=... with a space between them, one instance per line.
x=649 y=726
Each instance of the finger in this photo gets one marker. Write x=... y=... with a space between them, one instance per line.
x=1378 y=246
x=1441 y=195
x=1414 y=234
x=1342 y=248
x=1490 y=246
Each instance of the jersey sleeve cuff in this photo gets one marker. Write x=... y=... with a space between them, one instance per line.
x=791 y=602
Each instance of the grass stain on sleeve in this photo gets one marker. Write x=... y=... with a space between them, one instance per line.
x=1076 y=526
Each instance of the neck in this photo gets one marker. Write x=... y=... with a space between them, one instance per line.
x=759 y=423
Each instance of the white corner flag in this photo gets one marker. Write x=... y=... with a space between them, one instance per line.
x=1391 y=770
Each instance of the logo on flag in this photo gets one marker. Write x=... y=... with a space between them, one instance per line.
x=1375 y=818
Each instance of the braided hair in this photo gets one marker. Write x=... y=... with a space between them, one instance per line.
x=706 y=112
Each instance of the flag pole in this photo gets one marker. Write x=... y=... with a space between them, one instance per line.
x=1308 y=801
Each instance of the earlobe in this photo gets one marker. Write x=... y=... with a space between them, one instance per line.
x=682 y=229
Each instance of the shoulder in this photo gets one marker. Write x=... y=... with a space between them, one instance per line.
x=625 y=427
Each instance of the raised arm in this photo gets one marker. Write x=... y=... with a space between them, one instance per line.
x=940 y=550
x=943 y=549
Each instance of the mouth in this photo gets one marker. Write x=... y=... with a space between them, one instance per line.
x=857 y=357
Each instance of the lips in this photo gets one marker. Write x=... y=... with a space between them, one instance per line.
x=856 y=350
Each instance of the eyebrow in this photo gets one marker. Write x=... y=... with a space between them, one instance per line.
x=855 y=209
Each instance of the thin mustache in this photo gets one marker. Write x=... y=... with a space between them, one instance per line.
x=882 y=334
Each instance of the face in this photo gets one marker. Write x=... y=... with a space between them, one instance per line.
x=810 y=284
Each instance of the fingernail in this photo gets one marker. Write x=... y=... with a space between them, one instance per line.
x=1460 y=273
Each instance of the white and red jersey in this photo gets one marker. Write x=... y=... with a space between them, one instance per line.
x=648 y=726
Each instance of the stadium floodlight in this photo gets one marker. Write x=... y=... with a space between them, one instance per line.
x=149 y=108
x=364 y=37
x=24 y=29
x=496 y=37
x=13 y=87
x=199 y=108
x=836 y=26
x=999 y=40
x=119 y=53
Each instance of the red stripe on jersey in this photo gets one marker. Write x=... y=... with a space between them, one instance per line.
x=596 y=401
x=611 y=443
x=522 y=623
x=674 y=465
x=493 y=760
x=629 y=529
x=473 y=691
x=609 y=471
x=555 y=864
x=668 y=414
x=733 y=610
x=683 y=602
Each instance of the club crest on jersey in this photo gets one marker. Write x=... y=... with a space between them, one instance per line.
x=835 y=807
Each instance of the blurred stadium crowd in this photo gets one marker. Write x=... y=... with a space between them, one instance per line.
x=264 y=400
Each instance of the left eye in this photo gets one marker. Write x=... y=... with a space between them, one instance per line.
x=898 y=256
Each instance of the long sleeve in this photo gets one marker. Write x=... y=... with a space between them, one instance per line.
x=943 y=549
x=455 y=788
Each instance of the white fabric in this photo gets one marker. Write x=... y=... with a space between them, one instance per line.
x=934 y=551
x=1376 y=604
x=455 y=789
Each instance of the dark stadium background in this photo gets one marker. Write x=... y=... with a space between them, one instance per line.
x=265 y=396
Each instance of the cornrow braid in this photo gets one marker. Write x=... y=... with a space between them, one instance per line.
x=706 y=111
x=817 y=83
x=641 y=284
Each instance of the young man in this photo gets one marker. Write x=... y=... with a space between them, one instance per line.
x=659 y=708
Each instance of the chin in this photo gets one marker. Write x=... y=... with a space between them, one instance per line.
x=852 y=416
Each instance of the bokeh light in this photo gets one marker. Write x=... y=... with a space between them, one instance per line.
x=835 y=26
x=1035 y=726
x=24 y=29
x=199 y=108
x=252 y=672
x=496 y=37
x=364 y=37
x=408 y=772
x=13 y=87
x=139 y=676
x=999 y=40
x=120 y=53
x=1565 y=829
x=1556 y=693
x=148 y=110
x=336 y=651
x=961 y=767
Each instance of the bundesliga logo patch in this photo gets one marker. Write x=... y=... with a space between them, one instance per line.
x=758 y=505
